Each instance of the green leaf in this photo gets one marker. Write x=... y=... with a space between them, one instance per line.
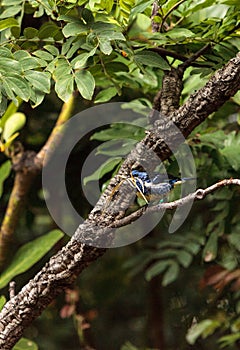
x=25 y=344
x=100 y=27
x=5 y=52
x=128 y=346
x=232 y=155
x=8 y=65
x=116 y=148
x=105 y=46
x=216 y=138
x=111 y=35
x=11 y=11
x=64 y=87
x=119 y=131
x=75 y=47
x=204 y=328
x=50 y=30
x=43 y=55
x=30 y=33
x=184 y=258
x=8 y=23
x=87 y=15
x=29 y=254
x=9 y=91
x=81 y=60
x=180 y=33
x=211 y=247
x=171 y=274
x=12 y=108
x=233 y=239
x=105 y=168
x=106 y=95
x=5 y=170
x=123 y=10
x=29 y=63
x=39 y=80
x=152 y=59
x=140 y=105
x=14 y=123
x=157 y=269
x=11 y=2
x=229 y=340
x=141 y=7
x=85 y=84
x=19 y=86
x=52 y=49
x=236 y=98
x=73 y=29
x=2 y=301
x=63 y=69
x=37 y=97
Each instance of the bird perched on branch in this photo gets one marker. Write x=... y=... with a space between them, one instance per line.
x=149 y=188
x=156 y=187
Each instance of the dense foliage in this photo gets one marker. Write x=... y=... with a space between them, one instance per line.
x=166 y=291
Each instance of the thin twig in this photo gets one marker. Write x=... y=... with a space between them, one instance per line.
x=164 y=52
x=155 y=9
x=197 y=195
x=12 y=286
x=169 y=12
x=182 y=67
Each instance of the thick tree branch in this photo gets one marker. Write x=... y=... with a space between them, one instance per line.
x=63 y=268
x=221 y=86
x=55 y=136
x=155 y=9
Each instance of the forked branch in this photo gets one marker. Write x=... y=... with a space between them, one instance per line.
x=197 y=195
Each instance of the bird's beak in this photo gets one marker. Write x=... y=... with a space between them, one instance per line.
x=179 y=182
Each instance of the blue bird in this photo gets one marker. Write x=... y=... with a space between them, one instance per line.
x=156 y=187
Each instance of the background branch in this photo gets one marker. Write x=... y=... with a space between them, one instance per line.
x=27 y=166
x=174 y=7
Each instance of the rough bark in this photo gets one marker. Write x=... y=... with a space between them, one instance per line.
x=63 y=268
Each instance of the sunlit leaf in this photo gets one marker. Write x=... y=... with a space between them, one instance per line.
x=141 y=6
x=14 y=123
x=106 y=95
x=210 y=249
x=8 y=23
x=11 y=11
x=25 y=344
x=39 y=80
x=105 y=168
x=203 y=328
x=152 y=59
x=2 y=301
x=73 y=29
x=85 y=84
x=5 y=170
x=29 y=254
x=64 y=87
